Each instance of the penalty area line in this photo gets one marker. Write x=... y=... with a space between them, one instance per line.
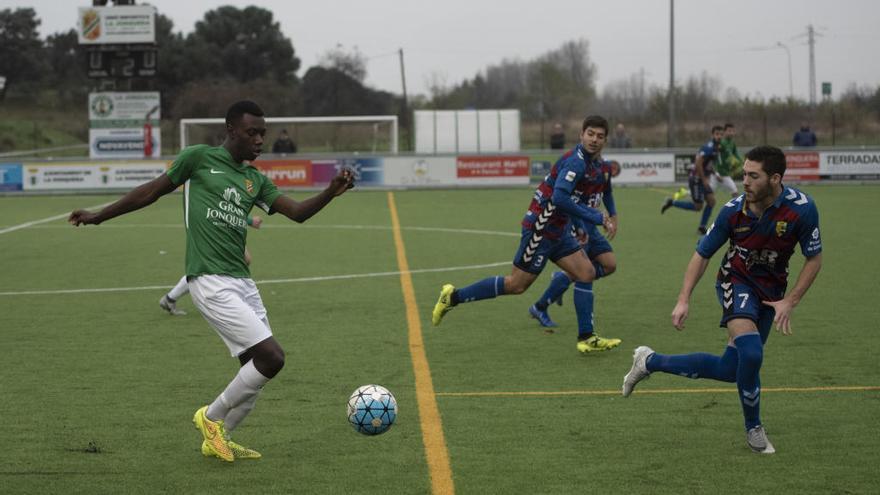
x=563 y=393
x=45 y=220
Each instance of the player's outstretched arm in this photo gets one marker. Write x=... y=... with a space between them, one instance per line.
x=695 y=269
x=300 y=211
x=785 y=306
x=137 y=198
x=255 y=221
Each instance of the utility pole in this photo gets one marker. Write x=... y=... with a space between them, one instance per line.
x=404 y=116
x=670 y=121
x=811 y=39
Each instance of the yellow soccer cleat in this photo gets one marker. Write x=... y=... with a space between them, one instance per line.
x=239 y=451
x=681 y=193
x=444 y=304
x=215 y=436
x=596 y=343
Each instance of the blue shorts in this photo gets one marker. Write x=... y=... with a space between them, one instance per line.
x=698 y=189
x=532 y=254
x=742 y=301
x=597 y=244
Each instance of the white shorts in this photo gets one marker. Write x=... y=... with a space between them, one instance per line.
x=234 y=308
x=725 y=181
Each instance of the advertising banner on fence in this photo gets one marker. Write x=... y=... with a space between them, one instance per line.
x=850 y=165
x=801 y=165
x=420 y=171
x=287 y=173
x=683 y=166
x=91 y=175
x=367 y=170
x=10 y=177
x=482 y=169
x=644 y=167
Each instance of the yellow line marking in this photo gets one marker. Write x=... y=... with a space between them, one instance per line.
x=663 y=191
x=867 y=388
x=429 y=414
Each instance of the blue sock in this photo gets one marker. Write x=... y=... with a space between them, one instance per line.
x=488 y=288
x=583 y=306
x=748 y=380
x=707 y=214
x=684 y=205
x=697 y=365
x=600 y=270
x=558 y=285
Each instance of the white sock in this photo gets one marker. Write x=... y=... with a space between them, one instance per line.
x=179 y=290
x=238 y=413
x=247 y=384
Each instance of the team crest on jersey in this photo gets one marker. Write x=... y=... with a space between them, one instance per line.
x=781 y=227
x=249 y=186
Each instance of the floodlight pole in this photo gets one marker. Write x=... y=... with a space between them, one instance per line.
x=670 y=123
x=787 y=52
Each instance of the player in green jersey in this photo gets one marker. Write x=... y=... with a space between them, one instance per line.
x=220 y=188
x=728 y=162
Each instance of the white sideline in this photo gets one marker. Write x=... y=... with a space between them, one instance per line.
x=259 y=282
x=44 y=220
x=283 y=226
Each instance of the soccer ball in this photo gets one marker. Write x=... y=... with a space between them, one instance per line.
x=372 y=409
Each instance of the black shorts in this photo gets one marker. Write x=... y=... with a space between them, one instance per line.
x=698 y=189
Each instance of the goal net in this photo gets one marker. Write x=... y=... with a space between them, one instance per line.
x=362 y=133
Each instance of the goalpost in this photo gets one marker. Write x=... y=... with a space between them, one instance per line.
x=350 y=134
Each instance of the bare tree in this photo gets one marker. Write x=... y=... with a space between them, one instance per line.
x=352 y=63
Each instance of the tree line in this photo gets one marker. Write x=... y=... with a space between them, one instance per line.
x=239 y=52
x=232 y=53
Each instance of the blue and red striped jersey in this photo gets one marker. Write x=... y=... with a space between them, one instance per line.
x=711 y=152
x=760 y=247
x=575 y=182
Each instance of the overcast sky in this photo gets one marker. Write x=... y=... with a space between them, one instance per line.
x=456 y=39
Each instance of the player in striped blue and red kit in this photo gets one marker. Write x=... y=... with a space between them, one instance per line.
x=761 y=229
x=599 y=193
x=547 y=234
x=698 y=181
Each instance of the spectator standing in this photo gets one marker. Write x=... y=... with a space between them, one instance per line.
x=557 y=138
x=805 y=137
x=620 y=139
x=284 y=144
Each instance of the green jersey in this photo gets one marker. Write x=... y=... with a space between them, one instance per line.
x=730 y=158
x=218 y=195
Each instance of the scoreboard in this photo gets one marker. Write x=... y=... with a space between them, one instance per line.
x=122 y=61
